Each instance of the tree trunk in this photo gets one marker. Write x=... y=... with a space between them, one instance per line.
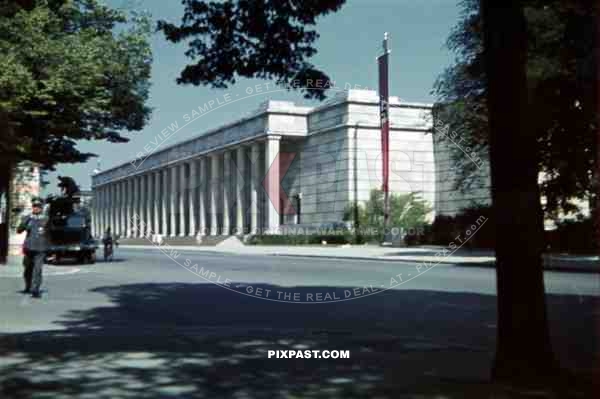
x=523 y=352
x=5 y=180
x=596 y=63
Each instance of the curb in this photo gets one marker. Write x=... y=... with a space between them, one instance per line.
x=445 y=261
x=384 y=259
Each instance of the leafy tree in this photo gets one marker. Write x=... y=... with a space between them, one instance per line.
x=69 y=70
x=251 y=38
x=560 y=92
x=66 y=76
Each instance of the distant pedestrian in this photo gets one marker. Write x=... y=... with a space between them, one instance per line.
x=107 y=238
x=108 y=242
x=35 y=247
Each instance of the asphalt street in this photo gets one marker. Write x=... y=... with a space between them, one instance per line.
x=199 y=324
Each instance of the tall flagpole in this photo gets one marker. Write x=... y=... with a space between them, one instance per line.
x=383 y=61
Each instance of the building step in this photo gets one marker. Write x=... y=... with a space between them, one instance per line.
x=206 y=241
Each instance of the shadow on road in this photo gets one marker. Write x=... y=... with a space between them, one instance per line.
x=200 y=340
x=465 y=253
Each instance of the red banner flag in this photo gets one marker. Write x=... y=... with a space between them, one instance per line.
x=384 y=115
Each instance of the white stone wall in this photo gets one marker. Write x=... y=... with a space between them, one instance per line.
x=411 y=163
x=323 y=177
x=450 y=200
x=331 y=173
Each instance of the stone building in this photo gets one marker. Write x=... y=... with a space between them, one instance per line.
x=450 y=198
x=284 y=164
x=26 y=184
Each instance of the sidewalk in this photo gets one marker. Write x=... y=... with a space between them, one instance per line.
x=423 y=254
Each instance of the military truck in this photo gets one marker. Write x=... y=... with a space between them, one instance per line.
x=69 y=230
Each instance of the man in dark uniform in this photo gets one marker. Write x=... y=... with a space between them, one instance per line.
x=35 y=247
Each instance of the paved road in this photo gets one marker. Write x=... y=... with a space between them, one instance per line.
x=149 y=325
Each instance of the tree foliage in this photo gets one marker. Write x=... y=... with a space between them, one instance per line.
x=407 y=211
x=69 y=70
x=68 y=186
x=561 y=84
x=265 y=39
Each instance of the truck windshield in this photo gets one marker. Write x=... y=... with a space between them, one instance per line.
x=75 y=221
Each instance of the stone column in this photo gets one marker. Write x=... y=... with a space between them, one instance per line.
x=131 y=210
x=254 y=183
x=113 y=209
x=122 y=209
x=201 y=196
x=103 y=210
x=214 y=190
x=272 y=184
x=126 y=205
x=149 y=199
x=173 y=203
x=143 y=206
x=226 y=229
x=96 y=220
x=156 y=202
x=108 y=207
x=148 y=206
x=164 y=201
x=239 y=190
x=192 y=190
x=121 y=212
x=95 y=212
x=106 y=211
x=134 y=206
x=182 y=195
x=117 y=208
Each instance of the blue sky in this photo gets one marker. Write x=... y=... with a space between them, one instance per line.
x=349 y=44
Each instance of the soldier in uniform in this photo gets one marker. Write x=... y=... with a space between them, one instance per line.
x=35 y=247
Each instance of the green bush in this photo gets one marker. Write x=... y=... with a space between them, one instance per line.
x=407 y=212
x=447 y=229
x=573 y=236
x=422 y=237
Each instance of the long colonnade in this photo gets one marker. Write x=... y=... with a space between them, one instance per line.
x=219 y=193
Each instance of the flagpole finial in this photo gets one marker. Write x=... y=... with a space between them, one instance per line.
x=386 y=37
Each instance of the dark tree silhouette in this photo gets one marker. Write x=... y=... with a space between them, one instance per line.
x=560 y=87
x=68 y=186
x=523 y=351
x=251 y=39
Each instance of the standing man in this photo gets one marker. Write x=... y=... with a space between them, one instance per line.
x=34 y=248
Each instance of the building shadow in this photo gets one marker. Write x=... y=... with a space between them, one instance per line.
x=203 y=341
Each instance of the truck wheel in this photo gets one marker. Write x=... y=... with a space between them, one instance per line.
x=92 y=257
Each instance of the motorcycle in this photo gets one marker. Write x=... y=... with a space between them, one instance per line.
x=109 y=248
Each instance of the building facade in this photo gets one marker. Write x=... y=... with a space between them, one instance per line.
x=281 y=166
x=25 y=185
